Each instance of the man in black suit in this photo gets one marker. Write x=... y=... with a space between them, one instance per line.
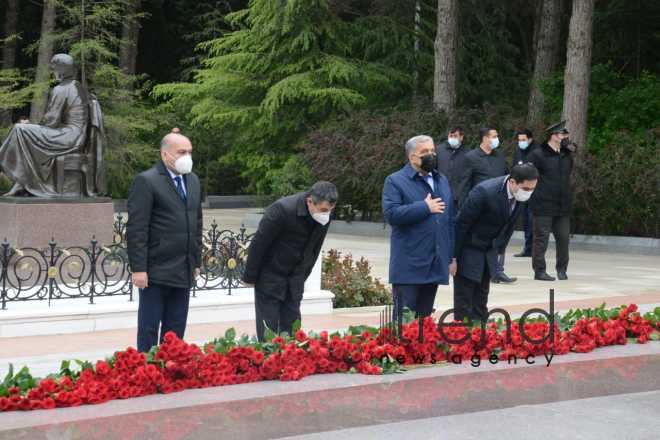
x=483 y=227
x=451 y=159
x=526 y=145
x=164 y=235
x=483 y=163
x=283 y=252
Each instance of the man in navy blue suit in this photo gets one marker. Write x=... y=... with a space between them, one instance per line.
x=483 y=228
x=418 y=204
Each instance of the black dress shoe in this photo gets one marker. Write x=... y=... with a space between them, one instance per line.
x=504 y=278
x=543 y=276
x=523 y=254
x=562 y=276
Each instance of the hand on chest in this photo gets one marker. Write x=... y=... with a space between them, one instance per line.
x=422 y=186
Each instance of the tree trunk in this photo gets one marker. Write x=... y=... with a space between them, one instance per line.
x=418 y=18
x=43 y=60
x=444 y=78
x=547 y=48
x=9 y=50
x=578 y=70
x=129 y=39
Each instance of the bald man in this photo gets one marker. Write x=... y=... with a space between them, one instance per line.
x=164 y=235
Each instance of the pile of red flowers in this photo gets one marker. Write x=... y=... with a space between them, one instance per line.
x=176 y=365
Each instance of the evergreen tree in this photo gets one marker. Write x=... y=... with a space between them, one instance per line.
x=286 y=68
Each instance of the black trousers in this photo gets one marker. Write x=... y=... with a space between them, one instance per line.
x=417 y=297
x=161 y=308
x=560 y=227
x=278 y=315
x=527 y=226
x=500 y=263
x=471 y=297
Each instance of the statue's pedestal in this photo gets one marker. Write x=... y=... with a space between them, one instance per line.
x=32 y=221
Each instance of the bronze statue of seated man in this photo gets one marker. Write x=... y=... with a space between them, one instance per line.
x=29 y=154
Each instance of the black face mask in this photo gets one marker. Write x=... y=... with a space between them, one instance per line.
x=429 y=162
x=564 y=143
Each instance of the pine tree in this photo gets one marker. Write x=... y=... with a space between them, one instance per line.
x=286 y=68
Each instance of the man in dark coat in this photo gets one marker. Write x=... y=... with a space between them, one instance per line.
x=483 y=163
x=451 y=159
x=164 y=237
x=483 y=227
x=551 y=204
x=418 y=204
x=283 y=252
x=525 y=146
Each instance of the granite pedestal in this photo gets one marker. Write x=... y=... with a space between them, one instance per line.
x=32 y=221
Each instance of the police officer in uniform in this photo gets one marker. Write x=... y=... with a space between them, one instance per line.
x=551 y=202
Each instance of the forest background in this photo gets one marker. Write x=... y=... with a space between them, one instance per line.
x=278 y=93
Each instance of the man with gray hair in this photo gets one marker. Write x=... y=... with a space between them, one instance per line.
x=164 y=237
x=283 y=252
x=418 y=204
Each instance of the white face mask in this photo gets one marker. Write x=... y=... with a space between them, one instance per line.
x=184 y=164
x=321 y=217
x=522 y=196
x=453 y=142
x=494 y=143
x=523 y=144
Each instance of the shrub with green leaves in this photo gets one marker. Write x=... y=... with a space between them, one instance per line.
x=358 y=152
x=351 y=281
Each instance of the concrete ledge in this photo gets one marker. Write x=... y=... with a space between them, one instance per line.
x=67 y=316
x=630 y=245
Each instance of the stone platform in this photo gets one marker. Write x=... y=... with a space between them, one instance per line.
x=66 y=316
x=609 y=393
x=32 y=221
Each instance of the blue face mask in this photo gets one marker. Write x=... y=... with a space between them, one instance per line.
x=523 y=145
x=494 y=143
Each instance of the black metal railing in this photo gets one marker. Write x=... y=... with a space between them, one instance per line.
x=31 y=274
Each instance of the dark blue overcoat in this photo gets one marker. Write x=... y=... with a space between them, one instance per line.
x=422 y=243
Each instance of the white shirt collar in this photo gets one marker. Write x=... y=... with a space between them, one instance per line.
x=173 y=175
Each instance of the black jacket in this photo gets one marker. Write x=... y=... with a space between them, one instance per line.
x=478 y=167
x=164 y=235
x=552 y=196
x=521 y=156
x=285 y=248
x=483 y=228
x=451 y=162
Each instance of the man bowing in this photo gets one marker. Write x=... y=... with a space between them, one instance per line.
x=283 y=252
x=483 y=228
